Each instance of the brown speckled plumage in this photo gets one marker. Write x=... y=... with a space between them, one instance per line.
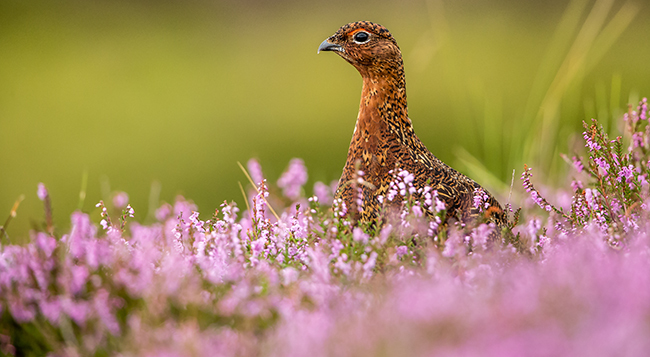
x=383 y=138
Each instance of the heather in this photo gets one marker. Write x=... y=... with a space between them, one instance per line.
x=289 y=273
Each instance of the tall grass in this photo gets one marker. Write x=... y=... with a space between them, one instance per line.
x=538 y=133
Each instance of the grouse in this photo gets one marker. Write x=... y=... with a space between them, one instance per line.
x=384 y=141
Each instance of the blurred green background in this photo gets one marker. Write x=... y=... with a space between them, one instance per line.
x=176 y=92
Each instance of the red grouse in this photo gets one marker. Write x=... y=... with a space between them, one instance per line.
x=384 y=141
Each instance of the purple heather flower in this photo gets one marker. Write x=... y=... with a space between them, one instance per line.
x=77 y=310
x=289 y=275
x=637 y=139
x=481 y=234
x=120 y=200
x=481 y=199
x=402 y=188
x=41 y=192
x=525 y=176
x=324 y=193
x=537 y=199
x=392 y=192
x=417 y=211
x=102 y=305
x=385 y=233
x=577 y=164
x=602 y=165
x=533 y=226
x=163 y=212
x=576 y=185
x=130 y=211
x=591 y=197
x=627 y=173
x=359 y=199
x=440 y=204
x=342 y=265
x=336 y=248
x=257 y=246
x=615 y=205
x=79 y=278
x=402 y=184
x=359 y=236
x=20 y=312
x=401 y=251
x=643 y=109
x=181 y=206
x=453 y=244
x=339 y=207
x=593 y=146
x=229 y=212
x=51 y=309
x=255 y=170
x=369 y=265
x=433 y=226
x=45 y=243
x=428 y=202
x=293 y=179
x=196 y=223
x=534 y=194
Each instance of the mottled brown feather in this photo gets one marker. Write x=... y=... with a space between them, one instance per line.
x=384 y=139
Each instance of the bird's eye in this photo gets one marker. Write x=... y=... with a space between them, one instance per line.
x=361 y=37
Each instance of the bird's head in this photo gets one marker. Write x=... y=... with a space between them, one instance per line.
x=367 y=46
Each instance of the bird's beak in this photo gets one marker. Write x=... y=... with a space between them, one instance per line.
x=328 y=46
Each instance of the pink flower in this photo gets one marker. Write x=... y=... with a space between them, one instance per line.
x=602 y=165
x=417 y=211
x=359 y=236
x=120 y=200
x=255 y=170
x=369 y=265
x=626 y=173
x=401 y=251
x=577 y=164
x=163 y=212
x=51 y=309
x=41 y=192
x=293 y=179
x=481 y=199
x=324 y=193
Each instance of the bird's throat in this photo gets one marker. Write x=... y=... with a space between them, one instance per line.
x=383 y=109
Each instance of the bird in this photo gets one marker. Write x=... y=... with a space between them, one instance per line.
x=384 y=141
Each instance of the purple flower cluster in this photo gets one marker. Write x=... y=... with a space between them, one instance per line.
x=293 y=179
x=612 y=190
x=417 y=203
x=534 y=194
x=323 y=193
x=255 y=171
x=577 y=164
x=308 y=281
x=481 y=200
x=255 y=285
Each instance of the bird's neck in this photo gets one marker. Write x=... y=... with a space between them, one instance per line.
x=383 y=106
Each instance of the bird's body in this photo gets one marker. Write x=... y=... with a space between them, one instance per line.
x=384 y=140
